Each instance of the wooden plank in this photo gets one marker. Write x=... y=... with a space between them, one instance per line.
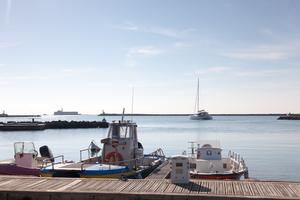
x=204 y=187
x=253 y=189
x=139 y=183
x=279 y=189
x=296 y=189
x=196 y=185
x=75 y=182
x=122 y=185
x=289 y=191
x=273 y=191
x=178 y=188
x=115 y=186
x=109 y=184
x=162 y=187
x=149 y=184
x=34 y=183
x=212 y=186
x=170 y=188
x=130 y=186
x=54 y=185
x=245 y=189
x=155 y=186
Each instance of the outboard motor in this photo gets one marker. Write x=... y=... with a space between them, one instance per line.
x=46 y=152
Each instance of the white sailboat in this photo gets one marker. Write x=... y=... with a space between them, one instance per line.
x=199 y=114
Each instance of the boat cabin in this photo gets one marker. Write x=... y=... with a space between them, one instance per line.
x=209 y=152
x=121 y=146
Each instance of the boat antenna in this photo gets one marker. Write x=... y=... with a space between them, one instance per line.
x=132 y=98
x=123 y=114
x=196 y=108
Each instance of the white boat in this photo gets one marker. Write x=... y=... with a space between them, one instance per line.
x=206 y=162
x=122 y=155
x=199 y=114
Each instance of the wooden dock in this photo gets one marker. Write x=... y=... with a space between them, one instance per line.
x=33 y=188
x=161 y=172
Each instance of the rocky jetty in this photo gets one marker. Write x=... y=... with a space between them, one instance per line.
x=289 y=116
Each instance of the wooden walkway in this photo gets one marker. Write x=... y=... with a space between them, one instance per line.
x=32 y=188
x=161 y=172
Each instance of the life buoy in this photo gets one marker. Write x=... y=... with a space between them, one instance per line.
x=113 y=157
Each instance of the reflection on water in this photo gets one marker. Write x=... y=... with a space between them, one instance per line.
x=271 y=148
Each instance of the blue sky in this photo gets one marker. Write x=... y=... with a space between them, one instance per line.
x=87 y=55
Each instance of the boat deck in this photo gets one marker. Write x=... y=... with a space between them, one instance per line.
x=13 y=187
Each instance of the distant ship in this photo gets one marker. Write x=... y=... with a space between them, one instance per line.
x=61 y=112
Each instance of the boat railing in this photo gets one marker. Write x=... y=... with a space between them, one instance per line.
x=237 y=161
x=52 y=161
x=84 y=150
x=90 y=152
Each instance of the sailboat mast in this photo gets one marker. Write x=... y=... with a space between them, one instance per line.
x=198 y=96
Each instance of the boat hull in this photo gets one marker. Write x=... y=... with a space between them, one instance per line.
x=227 y=176
x=195 y=117
x=12 y=169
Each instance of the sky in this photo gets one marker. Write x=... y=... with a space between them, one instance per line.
x=87 y=56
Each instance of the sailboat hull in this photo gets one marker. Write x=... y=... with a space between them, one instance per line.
x=195 y=117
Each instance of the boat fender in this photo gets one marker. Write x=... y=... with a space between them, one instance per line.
x=113 y=157
x=123 y=178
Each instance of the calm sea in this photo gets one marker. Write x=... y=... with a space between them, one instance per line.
x=270 y=147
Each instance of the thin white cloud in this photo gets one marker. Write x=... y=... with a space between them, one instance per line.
x=258 y=54
x=182 y=45
x=146 y=51
x=4 y=45
x=213 y=69
x=26 y=77
x=266 y=32
x=280 y=50
x=136 y=53
x=78 y=71
x=163 y=31
x=264 y=72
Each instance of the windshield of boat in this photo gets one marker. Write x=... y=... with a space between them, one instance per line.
x=24 y=147
x=122 y=131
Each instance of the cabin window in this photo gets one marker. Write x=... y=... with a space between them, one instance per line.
x=224 y=165
x=124 y=132
x=178 y=164
x=208 y=152
x=219 y=153
x=193 y=165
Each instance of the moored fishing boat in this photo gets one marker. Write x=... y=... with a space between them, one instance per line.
x=122 y=155
x=206 y=162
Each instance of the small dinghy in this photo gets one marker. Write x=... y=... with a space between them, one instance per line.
x=26 y=160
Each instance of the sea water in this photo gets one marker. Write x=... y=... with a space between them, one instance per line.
x=270 y=147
